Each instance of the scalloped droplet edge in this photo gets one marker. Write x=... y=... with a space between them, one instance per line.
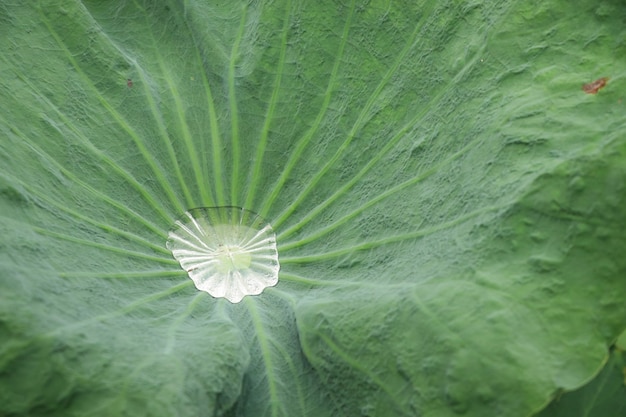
x=228 y=252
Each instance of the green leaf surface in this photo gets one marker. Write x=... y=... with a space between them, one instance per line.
x=605 y=396
x=449 y=204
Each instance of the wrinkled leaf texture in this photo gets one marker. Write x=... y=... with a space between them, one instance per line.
x=448 y=203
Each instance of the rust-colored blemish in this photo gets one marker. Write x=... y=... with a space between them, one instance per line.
x=594 y=87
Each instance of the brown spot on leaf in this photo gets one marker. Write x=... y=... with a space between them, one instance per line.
x=594 y=87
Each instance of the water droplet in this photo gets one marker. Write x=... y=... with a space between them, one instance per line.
x=228 y=252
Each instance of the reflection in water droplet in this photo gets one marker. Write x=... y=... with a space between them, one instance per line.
x=228 y=252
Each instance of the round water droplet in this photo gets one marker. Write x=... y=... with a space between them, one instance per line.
x=228 y=252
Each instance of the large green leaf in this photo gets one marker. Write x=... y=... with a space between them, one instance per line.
x=449 y=204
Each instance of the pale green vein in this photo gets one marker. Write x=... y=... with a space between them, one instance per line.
x=234 y=115
x=126 y=275
x=265 y=353
x=441 y=324
x=220 y=305
x=393 y=190
x=171 y=338
x=160 y=125
x=123 y=310
x=298 y=279
x=291 y=300
x=296 y=376
x=426 y=109
x=103 y=226
x=391 y=239
x=216 y=140
x=306 y=138
x=195 y=14
x=156 y=114
x=206 y=194
x=26 y=269
x=358 y=124
x=357 y=365
x=413 y=122
x=258 y=161
x=118 y=205
x=90 y=146
x=109 y=248
x=158 y=172
x=283 y=295
x=288 y=277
